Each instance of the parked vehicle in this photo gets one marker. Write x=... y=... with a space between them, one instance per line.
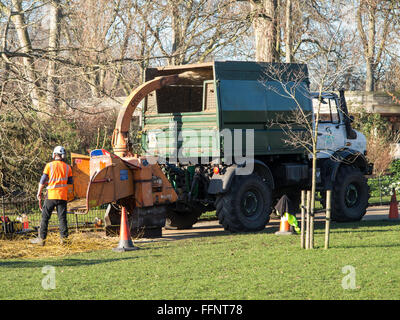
x=229 y=96
x=216 y=136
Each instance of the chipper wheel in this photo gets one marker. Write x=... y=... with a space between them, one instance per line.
x=181 y=219
x=143 y=222
x=246 y=206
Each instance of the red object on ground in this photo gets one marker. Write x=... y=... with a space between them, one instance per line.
x=394 y=209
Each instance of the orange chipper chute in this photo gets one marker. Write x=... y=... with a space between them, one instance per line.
x=119 y=140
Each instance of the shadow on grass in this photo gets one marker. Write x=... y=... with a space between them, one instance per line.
x=365 y=246
x=214 y=230
x=360 y=226
x=65 y=262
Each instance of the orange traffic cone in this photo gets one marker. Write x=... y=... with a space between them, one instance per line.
x=284 y=227
x=394 y=209
x=125 y=242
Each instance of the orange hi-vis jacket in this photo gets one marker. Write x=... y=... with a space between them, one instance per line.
x=58 y=173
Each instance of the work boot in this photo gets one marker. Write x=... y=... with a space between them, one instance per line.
x=39 y=241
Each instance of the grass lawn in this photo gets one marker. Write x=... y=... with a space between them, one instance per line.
x=226 y=266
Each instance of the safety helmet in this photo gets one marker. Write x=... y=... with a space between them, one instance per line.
x=60 y=151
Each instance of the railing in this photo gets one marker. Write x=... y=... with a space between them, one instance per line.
x=15 y=208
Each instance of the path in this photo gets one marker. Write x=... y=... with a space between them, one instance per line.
x=213 y=228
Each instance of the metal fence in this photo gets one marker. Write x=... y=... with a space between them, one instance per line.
x=14 y=209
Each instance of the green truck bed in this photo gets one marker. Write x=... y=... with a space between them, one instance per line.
x=186 y=119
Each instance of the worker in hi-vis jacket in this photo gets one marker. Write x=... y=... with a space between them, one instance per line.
x=57 y=175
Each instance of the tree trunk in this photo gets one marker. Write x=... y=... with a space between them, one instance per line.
x=368 y=40
x=288 y=32
x=313 y=190
x=54 y=38
x=94 y=81
x=176 y=35
x=265 y=26
x=370 y=77
x=26 y=47
x=369 y=81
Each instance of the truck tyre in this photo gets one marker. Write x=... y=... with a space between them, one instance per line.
x=177 y=220
x=246 y=206
x=350 y=195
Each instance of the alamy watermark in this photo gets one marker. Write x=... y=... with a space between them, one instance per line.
x=49 y=280
x=349 y=280
x=189 y=146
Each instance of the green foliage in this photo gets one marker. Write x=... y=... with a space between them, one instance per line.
x=27 y=142
x=371 y=123
x=395 y=169
x=395 y=177
x=135 y=138
x=383 y=186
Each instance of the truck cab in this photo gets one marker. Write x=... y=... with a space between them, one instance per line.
x=332 y=122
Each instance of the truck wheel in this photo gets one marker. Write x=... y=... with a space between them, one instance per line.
x=246 y=206
x=350 y=195
x=177 y=220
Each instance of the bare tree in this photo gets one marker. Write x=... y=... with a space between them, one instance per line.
x=307 y=138
x=370 y=15
x=53 y=47
x=16 y=13
x=192 y=31
x=288 y=32
x=264 y=15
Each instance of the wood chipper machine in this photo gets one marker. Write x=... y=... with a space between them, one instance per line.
x=131 y=182
x=123 y=179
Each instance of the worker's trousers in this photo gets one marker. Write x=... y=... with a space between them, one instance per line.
x=47 y=210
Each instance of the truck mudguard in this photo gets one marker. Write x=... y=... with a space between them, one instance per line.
x=264 y=172
x=346 y=157
x=220 y=183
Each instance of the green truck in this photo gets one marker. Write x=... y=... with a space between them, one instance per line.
x=222 y=137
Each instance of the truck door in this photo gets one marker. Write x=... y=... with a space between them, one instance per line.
x=331 y=130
